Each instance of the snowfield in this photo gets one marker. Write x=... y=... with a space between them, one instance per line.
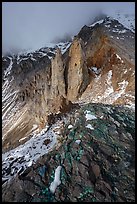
x=25 y=155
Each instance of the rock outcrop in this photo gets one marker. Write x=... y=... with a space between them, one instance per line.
x=77 y=73
x=57 y=76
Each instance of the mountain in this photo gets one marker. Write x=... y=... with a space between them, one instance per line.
x=44 y=96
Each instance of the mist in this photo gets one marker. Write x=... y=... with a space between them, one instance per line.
x=31 y=25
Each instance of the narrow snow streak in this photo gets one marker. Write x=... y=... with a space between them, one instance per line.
x=56 y=181
x=118 y=56
x=99 y=22
x=7 y=71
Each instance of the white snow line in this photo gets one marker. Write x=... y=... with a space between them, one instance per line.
x=109 y=75
x=33 y=59
x=118 y=56
x=22 y=59
x=63 y=50
x=7 y=96
x=7 y=71
x=22 y=139
x=6 y=109
x=99 y=22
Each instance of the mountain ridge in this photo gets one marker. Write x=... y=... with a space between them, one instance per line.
x=94 y=57
x=68 y=109
x=75 y=99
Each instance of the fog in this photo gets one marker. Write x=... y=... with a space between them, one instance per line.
x=31 y=25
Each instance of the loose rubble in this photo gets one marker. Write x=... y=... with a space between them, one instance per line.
x=94 y=165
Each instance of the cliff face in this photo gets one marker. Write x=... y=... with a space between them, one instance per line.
x=57 y=79
x=77 y=77
x=110 y=59
x=97 y=67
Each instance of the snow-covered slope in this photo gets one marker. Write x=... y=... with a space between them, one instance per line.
x=23 y=156
x=127 y=20
x=48 y=51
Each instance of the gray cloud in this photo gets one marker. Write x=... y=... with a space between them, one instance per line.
x=31 y=25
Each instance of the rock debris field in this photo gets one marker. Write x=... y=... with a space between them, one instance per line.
x=95 y=161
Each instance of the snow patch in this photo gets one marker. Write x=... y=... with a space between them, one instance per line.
x=108 y=26
x=109 y=76
x=115 y=95
x=28 y=153
x=125 y=71
x=56 y=181
x=95 y=70
x=126 y=19
x=90 y=116
x=89 y=126
x=29 y=164
x=22 y=139
x=78 y=141
x=123 y=84
x=50 y=57
x=118 y=56
x=33 y=59
x=109 y=89
x=99 y=22
x=119 y=31
x=70 y=126
x=63 y=46
x=131 y=106
x=21 y=59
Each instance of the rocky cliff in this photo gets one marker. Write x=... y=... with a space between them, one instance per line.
x=77 y=72
x=98 y=66
x=43 y=87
